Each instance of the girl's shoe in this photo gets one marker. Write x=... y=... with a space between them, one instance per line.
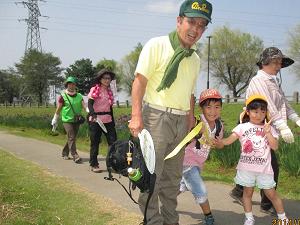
x=249 y=221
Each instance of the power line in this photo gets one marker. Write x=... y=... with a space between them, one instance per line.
x=84 y=23
x=130 y=28
x=101 y=24
x=109 y=10
x=143 y=12
x=260 y=14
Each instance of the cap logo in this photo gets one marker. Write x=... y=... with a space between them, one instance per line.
x=202 y=7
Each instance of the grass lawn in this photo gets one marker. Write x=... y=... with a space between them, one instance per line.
x=16 y=122
x=32 y=195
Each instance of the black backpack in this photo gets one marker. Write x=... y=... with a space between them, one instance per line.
x=116 y=161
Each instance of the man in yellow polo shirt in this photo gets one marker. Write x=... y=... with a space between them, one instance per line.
x=163 y=103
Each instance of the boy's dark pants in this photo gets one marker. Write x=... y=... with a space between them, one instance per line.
x=95 y=138
x=265 y=203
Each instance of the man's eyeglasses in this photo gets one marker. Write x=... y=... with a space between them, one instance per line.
x=193 y=22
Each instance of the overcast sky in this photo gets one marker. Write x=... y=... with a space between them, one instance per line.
x=109 y=29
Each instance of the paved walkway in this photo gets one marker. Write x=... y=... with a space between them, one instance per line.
x=47 y=155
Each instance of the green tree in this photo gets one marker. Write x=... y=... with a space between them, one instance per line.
x=294 y=48
x=38 y=70
x=10 y=84
x=233 y=57
x=109 y=64
x=84 y=71
x=113 y=66
x=128 y=66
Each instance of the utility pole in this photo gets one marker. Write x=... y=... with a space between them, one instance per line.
x=208 y=57
x=33 y=39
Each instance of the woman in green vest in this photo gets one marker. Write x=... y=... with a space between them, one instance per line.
x=69 y=103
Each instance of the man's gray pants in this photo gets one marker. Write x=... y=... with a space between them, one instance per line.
x=167 y=131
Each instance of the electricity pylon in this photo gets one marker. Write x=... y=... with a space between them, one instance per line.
x=33 y=38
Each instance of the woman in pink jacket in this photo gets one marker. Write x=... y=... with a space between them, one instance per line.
x=101 y=118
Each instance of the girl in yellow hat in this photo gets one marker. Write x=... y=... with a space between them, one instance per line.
x=258 y=138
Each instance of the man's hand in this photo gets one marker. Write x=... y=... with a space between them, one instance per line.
x=287 y=135
x=285 y=131
x=135 y=125
x=298 y=123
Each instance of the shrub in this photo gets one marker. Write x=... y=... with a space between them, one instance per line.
x=289 y=157
x=228 y=156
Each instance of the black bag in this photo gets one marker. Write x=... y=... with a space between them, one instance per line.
x=117 y=160
x=144 y=183
x=116 y=157
x=79 y=119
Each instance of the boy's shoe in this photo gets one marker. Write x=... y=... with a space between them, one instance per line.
x=96 y=169
x=271 y=211
x=65 y=157
x=236 y=196
x=249 y=221
x=209 y=220
x=77 y=159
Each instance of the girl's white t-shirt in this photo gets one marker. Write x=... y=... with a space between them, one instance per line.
x=255 y=149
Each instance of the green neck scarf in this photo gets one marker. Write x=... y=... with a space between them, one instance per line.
x=172 y=68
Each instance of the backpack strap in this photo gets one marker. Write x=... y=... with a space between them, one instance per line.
x=218 y=127
x=198 y=136
x=218 y=130
x=151 y=190
x=70 y=103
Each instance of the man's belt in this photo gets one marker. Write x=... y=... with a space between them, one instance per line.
x=167 y=109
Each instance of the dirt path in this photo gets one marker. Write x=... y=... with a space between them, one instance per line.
x=47 y=155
